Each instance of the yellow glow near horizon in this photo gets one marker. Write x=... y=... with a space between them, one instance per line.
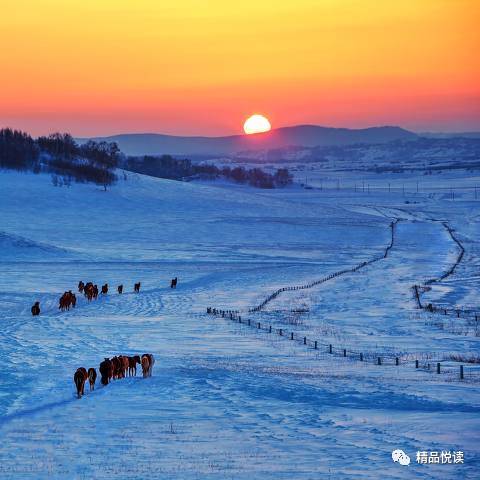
x=195 y=67
x=256 y=124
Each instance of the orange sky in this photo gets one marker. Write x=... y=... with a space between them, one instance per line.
x=97 y=67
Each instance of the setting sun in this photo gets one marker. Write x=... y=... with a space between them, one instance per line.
x=256 y=124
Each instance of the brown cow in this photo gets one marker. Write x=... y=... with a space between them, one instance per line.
x=117 y=367
x=106 y=371
x=81 y=286
x=125 y=365
x=66 y=301
x=121 y=367
x=79 y=379
x=132 y=365
x=88 y=291
x=92 y=377
x=151 y=362
x=105 y=289
x=145 y=366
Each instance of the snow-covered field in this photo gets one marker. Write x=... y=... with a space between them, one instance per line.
x=225 y=400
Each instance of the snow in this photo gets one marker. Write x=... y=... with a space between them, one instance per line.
x=225 y=400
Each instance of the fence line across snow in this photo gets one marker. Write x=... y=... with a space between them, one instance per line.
x=422 y=362
x=275 y=294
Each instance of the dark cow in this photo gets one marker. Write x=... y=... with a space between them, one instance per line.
x=173 y=283
x=106 y=371
x=120 y=289
x=105 y=289
x=136 y=287
x=150 y=361
x=35 y=309
x=132 y=365
x=117 y=367
x=81 y=286
x=80 y=378
x=92 y=377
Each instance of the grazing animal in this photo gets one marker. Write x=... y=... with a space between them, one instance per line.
x=79 y=379
x=36 y=309
x=81 y=286
x=120 y=289
x=106 y=371
x=145 y=366
x=92 y=377
x=105 y=289
x=136 y=287
x=88 y=291
x=66 y=301
x=95 y=292
x=73 y=300
x=117 y=367
x=121 y=367
x=151 y=361
x=125 y=365
x=132 y=365
x=173 y=283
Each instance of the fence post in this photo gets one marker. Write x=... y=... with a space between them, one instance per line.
x=438 y=367
x=315 y=344
x=416 y=363
x=270 y=329
x=344 y=352
x=461 y=372
x=396 y=361
x=258 y=325
x=330 y=348
x=280 y=332
x=304 y=340
x=379 y=361
x=291 y=336
x=361 y=357
x=248 y=322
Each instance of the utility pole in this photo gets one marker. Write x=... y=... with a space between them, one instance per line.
x=388 y=187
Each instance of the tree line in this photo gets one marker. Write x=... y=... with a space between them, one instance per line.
x=166 y=166
x=61 y=156
x=67 y=161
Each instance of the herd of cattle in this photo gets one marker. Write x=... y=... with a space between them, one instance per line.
x=90 y=291
x=113 y=369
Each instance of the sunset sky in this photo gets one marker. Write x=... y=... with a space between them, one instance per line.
x=97 y=67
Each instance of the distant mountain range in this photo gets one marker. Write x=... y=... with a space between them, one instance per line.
x=301 y=135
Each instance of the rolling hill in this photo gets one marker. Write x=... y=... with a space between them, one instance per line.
x=301 y=135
